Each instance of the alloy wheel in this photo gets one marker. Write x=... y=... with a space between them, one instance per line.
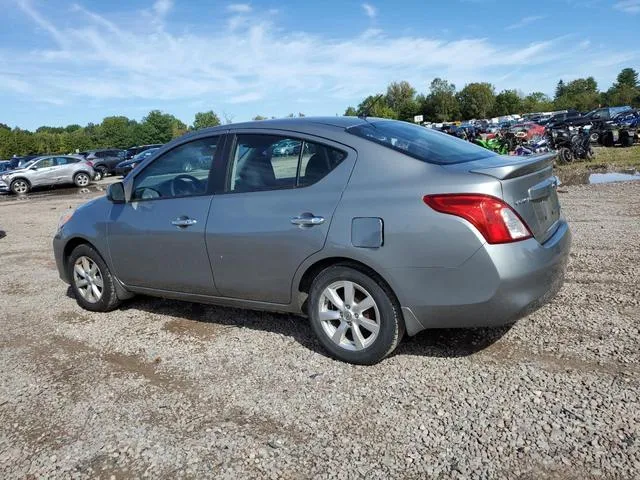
x=88 y=279
x=20 y=186
x=349 y=315
x=82 y=180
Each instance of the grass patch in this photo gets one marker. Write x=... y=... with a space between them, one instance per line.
x=608 y=159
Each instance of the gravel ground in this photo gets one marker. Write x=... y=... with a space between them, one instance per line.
x=167 y=389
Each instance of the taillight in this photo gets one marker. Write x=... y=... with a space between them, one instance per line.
x=496 y=221
x=90 y=163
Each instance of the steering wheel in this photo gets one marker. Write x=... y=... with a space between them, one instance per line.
x=184 y=185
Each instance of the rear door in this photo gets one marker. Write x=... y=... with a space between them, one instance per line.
x=275 y=211
x=65 y=168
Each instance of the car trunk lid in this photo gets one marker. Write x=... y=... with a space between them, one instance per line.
x=528 y=186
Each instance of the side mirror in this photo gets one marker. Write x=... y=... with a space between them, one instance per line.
x=115 y=193
x=33 y=168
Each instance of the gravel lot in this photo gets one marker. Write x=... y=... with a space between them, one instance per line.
x=167 y=389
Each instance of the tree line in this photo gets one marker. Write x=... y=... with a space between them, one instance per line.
x=401 y=101
x=444 y=103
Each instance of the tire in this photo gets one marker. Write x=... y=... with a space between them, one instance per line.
x=20 y=186
x=360 y=343
x=108 y=299
x=594 y=137
x=81 y=179
x=102 y=171
x=97 y=176
x=566 y=156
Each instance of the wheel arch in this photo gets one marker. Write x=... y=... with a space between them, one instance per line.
x=21 y=178
x=311 y=271
x=74 y=242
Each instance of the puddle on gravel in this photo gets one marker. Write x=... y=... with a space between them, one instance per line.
x=593 y=178
x=54 y=192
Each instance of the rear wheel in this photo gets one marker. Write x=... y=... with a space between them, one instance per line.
x=594 y=137
x=91 y=280
x=566 y=156
x=81 y=179
x=355 y=316
x=20 y=186
x=101 y=172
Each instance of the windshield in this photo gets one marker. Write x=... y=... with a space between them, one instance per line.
x=422 y=143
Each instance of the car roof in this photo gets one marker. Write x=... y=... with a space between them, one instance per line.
x=293 y=123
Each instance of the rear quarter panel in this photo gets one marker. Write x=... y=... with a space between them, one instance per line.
x=389 y=185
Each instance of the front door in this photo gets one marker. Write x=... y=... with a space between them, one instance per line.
x=276 y=211
x=156 y=240
x=43 y=172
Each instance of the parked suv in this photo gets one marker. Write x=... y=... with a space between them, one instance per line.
x=375 y=228
x=47 y=171
x=105 y=161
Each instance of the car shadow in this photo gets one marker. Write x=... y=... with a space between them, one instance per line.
x=440 y=343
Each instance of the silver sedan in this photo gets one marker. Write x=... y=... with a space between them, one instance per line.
x=371 y=228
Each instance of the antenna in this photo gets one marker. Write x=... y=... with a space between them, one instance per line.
x=369 y=107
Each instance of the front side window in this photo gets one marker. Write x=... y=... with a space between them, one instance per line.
x=45 y=163
x=270 y=162
x=181 y=172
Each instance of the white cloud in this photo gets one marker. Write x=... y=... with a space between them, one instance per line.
x=239 y=8
x=93 y=58
x=370 y=10
x=525 y=21
x=628 y=6
x=162 y=7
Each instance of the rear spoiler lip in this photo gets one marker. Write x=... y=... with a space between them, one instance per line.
x=518 y=168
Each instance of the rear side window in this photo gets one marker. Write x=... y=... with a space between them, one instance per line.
x=269 y=162
x=422 y=143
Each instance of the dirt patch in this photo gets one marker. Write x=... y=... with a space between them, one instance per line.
x=196 y=329
x=16 y=288
x=73 y=317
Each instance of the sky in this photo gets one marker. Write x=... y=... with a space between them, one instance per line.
x=64 y=62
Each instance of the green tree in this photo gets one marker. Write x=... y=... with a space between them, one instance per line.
x=441 y=105
x=259 y=118
x=350 y=112
x=476 y=100
x=560 y=89
x=507 y=102
x=376 y=106
x=626 y=90
x=581 y=94
x=205 y=119
x=537 y=102
x=156 y=127
x=116 y=132
x=401 y=98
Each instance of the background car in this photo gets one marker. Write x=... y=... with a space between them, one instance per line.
x=133 y=151
x=47 y=171
x=105 y=161
x=123 y=168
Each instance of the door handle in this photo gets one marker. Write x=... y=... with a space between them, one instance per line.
x=307 y=220
x=183 y=222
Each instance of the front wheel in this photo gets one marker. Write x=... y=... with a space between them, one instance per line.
x=355 y=316
x=81 y=179
x=20 y=186
x=91 y=280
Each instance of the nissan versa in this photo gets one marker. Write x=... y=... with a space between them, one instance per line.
x=370 y=227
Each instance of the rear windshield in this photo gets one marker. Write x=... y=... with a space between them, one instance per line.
x=422 y=143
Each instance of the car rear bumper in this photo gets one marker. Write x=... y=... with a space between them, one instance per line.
x=498 y=285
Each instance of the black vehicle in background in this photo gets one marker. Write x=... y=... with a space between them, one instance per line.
x=133 y=151
x=572 y=143
x=105 y=160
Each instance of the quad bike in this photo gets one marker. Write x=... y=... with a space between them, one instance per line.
x=570 y=144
